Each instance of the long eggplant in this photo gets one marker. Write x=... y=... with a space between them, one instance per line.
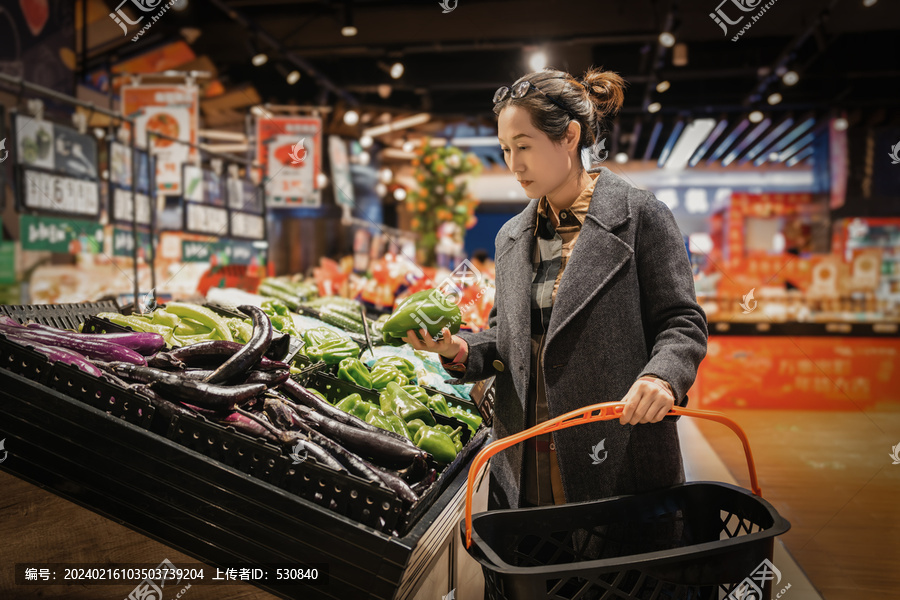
x=271 y=379
x=165 y=361
x=143 y=343
x=300 y=394
x=292 y=438
x=53 y=354
x=215 y=352
x=402 y=489
x=382 y=449
x=243 y=422
x=195 y=392
x=252 y=351
x=106 y=351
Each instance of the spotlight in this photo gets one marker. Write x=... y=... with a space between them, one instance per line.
x=397 y=70
x=680 y=55
x=667 y=39
x=99 y=133
x=380 y=189
x=790 y=78
x=537 y=61
x=774 y=98
x=756 y=116
x=321 y=180
x=366 y=141
x=260 y=59
x=400 y=194
x=662 y=86
x=348 y=31
x=654 y=107
x=841 y=124
x=621 y=158
x=293 y=77
x=351 y=117
x=364 y=158
x=409 y=146
x=386 y=175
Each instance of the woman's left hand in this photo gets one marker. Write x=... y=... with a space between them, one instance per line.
x=648 y=401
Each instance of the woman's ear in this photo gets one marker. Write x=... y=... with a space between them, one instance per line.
x=573 y=135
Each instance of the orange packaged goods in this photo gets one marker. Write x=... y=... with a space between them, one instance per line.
x=165 y=124
x=330 y=277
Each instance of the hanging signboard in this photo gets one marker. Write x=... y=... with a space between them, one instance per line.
x=120 y=182
x=60 y=235
x=173 y=111
x=340 y=171
x=289 y=148
x=224 y=252
x=245 y=196
x=123 y=243
x=247 y=226
x=208 y=220
x=204 y=202
x=50 y=193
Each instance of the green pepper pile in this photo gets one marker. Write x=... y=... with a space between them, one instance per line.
x=429 y=309
x=326 y=345
x=182 y=324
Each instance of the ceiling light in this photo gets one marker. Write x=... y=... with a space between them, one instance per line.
x=790 y=78
x=260 y=59
x=351 y=117
x=385 y=175
x=622 y=158
x=691 y=139
x=841 y=124
x=662 y=86
x=773 y=157
x=756 y=116
x=869 y=3
x=397 y=70
x=667 y=39
x=348 y=31
x=364 y=158
x=409 y=146
x=366 y=141
x=680 y=54
x=384 y=90
x=654 y=107
x=293 y=77
x=774 y=98
x=537 y=61
x=99 y=133
x=380 y=189
x=400 y=194
x=321 y=180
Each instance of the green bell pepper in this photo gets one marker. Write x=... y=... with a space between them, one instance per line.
x=398 y=401
x=414 y=426
x=333 y=351
x=427 y=309
x=381 y=376
x=276 y=306
x=436 y=442
x=454 y=434
x=376 y=417
x=473 y=421
x=356 y=406
x=398 y=426
x=417 y=393
x=401 y=364
x=317 y=335
x=354 y=371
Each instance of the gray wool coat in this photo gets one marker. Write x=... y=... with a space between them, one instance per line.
x=625 y=308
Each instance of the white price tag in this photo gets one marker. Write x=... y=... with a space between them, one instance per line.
x=59 y=194
x=247 y=226
x=206 y=219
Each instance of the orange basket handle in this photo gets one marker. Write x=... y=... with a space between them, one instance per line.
x=604 y=411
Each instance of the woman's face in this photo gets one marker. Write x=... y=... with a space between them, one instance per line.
x=532 y=156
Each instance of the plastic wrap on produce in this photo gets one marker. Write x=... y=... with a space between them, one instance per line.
x=302 y=323
x=233 y=297
x=429 y=370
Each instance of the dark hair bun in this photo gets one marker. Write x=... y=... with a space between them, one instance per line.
x=606 y=90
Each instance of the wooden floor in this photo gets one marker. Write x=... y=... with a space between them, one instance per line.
x=830 y=474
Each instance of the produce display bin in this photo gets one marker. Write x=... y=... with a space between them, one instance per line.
x=204 y=507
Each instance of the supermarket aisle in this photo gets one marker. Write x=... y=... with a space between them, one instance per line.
x=702 y=463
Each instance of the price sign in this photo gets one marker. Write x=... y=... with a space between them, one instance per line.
x=247 y=226
x=122 y=207
x=205 y=219
x=60 y=194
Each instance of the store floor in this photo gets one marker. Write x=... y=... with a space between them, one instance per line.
x=830 y=474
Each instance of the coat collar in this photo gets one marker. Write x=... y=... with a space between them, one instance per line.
x=608 y=206
x=578 y=209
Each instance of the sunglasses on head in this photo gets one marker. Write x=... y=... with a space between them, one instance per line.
x=521 y=89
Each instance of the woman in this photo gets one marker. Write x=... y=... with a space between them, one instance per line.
x=594 y=271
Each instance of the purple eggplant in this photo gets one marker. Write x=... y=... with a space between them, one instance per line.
x=244 y=422
x=106 y=351
x=215 y=352
x=165 y=361
x=252 y=351
x=195 y=392
x=54 y=354
x=271 y=379
x=143 y=343
x=4 y=320
x=400 y=487
x=300 y=394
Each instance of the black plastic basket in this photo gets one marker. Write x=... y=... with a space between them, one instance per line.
x=700 y=540
x=63 y=316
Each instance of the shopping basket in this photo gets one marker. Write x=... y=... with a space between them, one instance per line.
x=693 y=541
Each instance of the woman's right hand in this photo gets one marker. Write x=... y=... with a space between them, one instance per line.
x=448 y=346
